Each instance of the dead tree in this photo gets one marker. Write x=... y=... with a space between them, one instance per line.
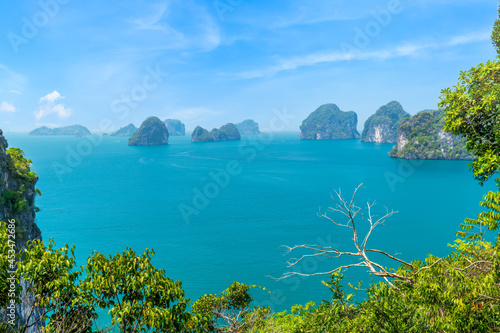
x=351 y=214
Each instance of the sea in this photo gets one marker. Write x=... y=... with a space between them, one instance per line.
x=215 y=213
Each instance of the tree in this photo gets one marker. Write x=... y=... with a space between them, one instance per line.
x=473 y=112
x=352 y=215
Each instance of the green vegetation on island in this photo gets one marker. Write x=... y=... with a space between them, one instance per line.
x=248 y=127
x=382 y=127
x=128 y=130
x=152 y=132
x=456 y=293
x=329 y=122
x=423 y=137
x=175 y=127
x=225 y=133
x=76 y=130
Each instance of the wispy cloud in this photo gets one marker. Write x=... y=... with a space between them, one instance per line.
x=404 y=50
x=48 y=106
x=13 y=91
x=6 y=107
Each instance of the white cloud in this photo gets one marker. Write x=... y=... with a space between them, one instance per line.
x=13 y=91
x=404 y=50
x=6 y=107
x=48 y=106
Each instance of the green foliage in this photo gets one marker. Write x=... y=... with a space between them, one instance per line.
x=225 y=133
x=227 y=312
x=140 y=297
x=330 y=123
x=388 y=116
x=427 y=140
x=152 y=131
x=76 y=130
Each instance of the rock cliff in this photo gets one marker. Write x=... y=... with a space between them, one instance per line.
x=225 y=133
x=382 y=127
x=128 y=130
x=17 y=201
x=152 y=132
x=248 y=127
x=76 y=130
x=175 y=127
x=422 y=137
x=329 y=122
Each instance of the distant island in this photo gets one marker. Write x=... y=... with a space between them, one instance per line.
x=128 y=130
x=175 y=127
x=248 y=127
x=382 y=127
x=76 y=130
x=329 y=122
x=422 y=137
x=225 y=133
x=152 y=132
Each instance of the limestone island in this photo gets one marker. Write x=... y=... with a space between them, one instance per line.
x=225 y=133
x=128 y=130
x=175 y=127
x=152 y=132
x=382 y=127
x=248 y=127
x=76 y=130
x=422 y=137
x=328 y=122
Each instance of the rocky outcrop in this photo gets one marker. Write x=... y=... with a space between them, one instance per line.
x=175 y=127
x=422 y=137
x=76 y=130
x=152 y=132
x=128 y=130
x=329 y=122
x=382 y=127
x=17 y=201
x=248 y=127
x=225 y=133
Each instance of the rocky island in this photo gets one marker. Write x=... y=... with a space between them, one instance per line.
x=329 y=122
x=128 y=130
x=248 y=127
x=152 y=132
x=76 y=130
x=382 y=127
x=175 y=127
x=422 y=137
x=225 y=133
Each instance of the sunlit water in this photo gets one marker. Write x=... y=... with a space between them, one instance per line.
x=105 y=195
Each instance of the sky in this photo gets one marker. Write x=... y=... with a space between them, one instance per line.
x=115 y=62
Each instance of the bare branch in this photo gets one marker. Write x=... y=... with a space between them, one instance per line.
x=353 y=213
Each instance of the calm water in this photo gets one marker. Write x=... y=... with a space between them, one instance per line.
x=110 y=196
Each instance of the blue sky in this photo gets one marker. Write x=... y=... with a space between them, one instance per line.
x=65 y=62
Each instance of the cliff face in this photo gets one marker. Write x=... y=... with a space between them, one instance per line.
x=248 y=127
x=382 y=127
x=76 y=130
x=17 y=201
x=152 y=132
x=225 y=133
x=128 y=130
x=175 y=127
x=329 y=122
x=422 y=137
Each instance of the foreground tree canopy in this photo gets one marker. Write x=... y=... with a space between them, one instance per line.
x=457 y=293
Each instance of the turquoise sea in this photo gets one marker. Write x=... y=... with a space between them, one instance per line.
x=261 y=193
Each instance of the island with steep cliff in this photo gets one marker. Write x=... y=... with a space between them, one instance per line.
x=76 y=130
x=382 y=127
x=328 y=122
x=175 y=127
x=227 y=132
x=128 y=130
x=248 y=127
x=152 y=132
x=422 y=137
